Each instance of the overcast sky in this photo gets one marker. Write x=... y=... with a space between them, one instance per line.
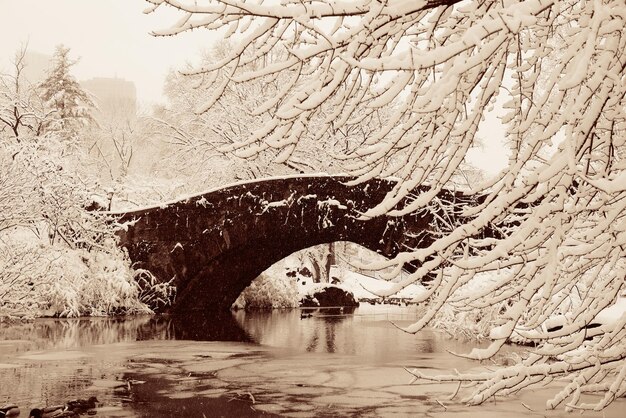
x=111 y=38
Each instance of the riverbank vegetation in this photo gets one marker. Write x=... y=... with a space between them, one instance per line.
x=58 y=256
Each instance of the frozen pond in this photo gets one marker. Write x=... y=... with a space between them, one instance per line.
x=333 y=363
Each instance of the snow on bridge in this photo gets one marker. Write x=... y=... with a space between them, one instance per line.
x=214 y=244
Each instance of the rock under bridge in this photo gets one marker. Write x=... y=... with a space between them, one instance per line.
x=214 y=244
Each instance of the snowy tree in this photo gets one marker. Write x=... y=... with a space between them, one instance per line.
x=206 y=136
x=63 y=94
x=202 y=136
x=21 y=109
x=554 y=72
x=56 y=257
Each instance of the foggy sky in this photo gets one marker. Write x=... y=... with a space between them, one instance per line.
x=111 y=38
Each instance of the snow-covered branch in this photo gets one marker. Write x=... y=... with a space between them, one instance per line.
x=424 y=76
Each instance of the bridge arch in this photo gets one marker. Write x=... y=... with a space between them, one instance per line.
x=213 y=245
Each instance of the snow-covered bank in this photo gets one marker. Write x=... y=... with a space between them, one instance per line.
x=354 y=288
x=368 y=287
x=287 y=284
x=40 y=279
x=271 y=290
x=58 y=257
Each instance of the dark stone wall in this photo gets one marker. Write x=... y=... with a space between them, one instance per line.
x=214 y=245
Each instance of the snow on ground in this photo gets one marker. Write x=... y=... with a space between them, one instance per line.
x=360 y=285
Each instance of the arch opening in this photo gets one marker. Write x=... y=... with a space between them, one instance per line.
x=340 y=263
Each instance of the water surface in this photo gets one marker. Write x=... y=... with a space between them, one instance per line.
x=287 y=363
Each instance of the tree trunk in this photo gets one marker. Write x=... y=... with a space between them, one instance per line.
x=330 y=259
x=317 y=274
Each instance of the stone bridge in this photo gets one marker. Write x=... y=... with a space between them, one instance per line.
x=214 y=244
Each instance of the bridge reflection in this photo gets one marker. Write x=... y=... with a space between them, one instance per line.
x=208 y=326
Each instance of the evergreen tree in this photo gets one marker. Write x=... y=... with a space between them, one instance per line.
x=64 y=95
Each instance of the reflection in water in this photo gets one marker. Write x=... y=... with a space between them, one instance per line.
x=365 y=332
x=336 y=330
x=73 y=333
x=197 y=327
x=57 y=376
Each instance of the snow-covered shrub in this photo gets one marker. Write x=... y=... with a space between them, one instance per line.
x=269 y=291
x=43 y=279
x=56 y=257
x=98 y=283
x=325 y=294
x=152 y=293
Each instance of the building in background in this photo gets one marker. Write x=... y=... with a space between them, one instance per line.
x=115 y=97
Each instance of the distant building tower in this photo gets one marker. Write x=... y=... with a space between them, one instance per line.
x=116 y=98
